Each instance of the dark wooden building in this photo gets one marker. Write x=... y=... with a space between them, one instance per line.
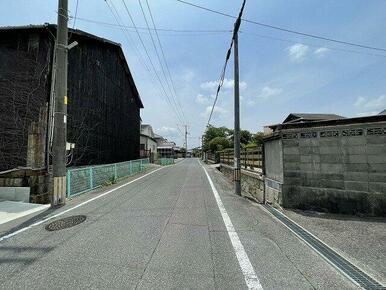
x=103 y=108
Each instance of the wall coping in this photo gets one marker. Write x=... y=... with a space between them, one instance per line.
x=246 y=172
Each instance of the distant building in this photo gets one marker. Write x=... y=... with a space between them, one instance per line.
x=159 y=139
x=148 y=143
x=166 y=149
x=103 y=102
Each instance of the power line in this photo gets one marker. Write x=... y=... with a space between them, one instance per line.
x=164 y=58
x=130 y=41
x=311 y=45
x=222 y=75
x=179 y=109
x=150 y=60
x=285 y=29
x=118 y=19
x=178 y=31
x=221 y=81
x=76 y=13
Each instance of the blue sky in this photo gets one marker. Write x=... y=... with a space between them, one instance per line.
x=280 y=72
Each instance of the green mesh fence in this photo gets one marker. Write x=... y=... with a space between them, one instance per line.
x=81 y=180
x=166 y=161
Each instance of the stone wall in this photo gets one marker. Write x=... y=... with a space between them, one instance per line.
x=251 y=183
x=37 y=180
x=339 y=168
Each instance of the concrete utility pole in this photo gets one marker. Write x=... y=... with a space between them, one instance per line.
x=186 y=140
x=236 y=135
x=202 y=148
x=60 y=108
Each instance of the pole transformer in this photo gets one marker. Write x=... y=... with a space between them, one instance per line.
x=60 y=108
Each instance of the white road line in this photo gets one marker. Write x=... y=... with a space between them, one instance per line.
x=250 y=276
x=72 y=208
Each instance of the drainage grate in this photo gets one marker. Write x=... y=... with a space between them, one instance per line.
x=348 y=269
x=65 y=223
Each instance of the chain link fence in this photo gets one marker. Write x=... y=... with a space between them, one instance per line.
x=166 y=161
x=84 y=179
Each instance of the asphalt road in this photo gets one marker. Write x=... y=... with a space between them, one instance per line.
x=165 y=231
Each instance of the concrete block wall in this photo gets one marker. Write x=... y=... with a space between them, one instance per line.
x=337 y=169
x=251 y=183
x=273 y=152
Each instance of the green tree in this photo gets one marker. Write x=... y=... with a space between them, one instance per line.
x=245 y=137
x=213 y=132
x=258 y=138
x=219 y=143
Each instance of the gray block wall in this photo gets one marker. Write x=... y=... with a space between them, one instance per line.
x=338 y=169
x=251 y=183
x=273 y=152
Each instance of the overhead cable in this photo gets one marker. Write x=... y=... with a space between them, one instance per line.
x=285 y=29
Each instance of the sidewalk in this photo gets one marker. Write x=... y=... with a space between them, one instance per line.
x=11 y=210
x=360 y=240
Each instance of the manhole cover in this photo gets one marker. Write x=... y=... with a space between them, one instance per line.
x=65 y=223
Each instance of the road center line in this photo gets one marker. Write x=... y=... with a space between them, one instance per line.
x=250 y=276
x=5 y=237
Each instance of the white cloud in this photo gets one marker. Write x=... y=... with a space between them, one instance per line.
x=267 y=92
x=298 y=52
x=167 y=131
x=228 y=84
x=363 y=114
x=264 y=94
x=219 y=111
x=204 y=100
x=188 y=75
x=370 y=106
x=360 y=102
x=321 y=51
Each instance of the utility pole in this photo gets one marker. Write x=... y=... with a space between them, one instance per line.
x=60 y=108
x=202 y=146
x=236 y=135
x=186 y=140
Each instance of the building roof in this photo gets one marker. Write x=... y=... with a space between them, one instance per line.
x=166 y=146
x=307 y=117
x=149 y=137
x=49 y=27
x=325 y=123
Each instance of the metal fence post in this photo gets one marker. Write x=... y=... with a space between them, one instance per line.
x=115 y=171
x=130 y=167
x=68 y=183
x=140 y=166
x=91 y=178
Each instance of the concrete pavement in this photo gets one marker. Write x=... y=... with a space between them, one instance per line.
x=164 y=231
